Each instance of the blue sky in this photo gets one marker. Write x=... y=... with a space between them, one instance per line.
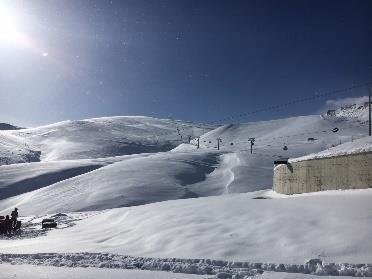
x=190 y=60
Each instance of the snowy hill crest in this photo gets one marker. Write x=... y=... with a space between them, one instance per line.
x=356 y=112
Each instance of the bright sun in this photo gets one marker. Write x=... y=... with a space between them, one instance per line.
x=9 y=30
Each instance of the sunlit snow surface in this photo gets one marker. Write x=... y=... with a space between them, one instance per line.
x=178 y=201
x=95 y=138
x=363 y=145
x=50 y=272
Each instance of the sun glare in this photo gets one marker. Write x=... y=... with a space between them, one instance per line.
x=9 y=29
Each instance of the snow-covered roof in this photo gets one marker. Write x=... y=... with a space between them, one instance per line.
x=362 y=145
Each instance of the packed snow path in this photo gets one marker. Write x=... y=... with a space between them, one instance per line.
x=222 y=269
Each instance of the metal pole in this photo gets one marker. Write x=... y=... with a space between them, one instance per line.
x=252 y=143
x=218 y=144
x=198 y=142
x=369 y=115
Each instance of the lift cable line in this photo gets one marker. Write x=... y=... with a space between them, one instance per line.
x=275 y=107
x=323 y=131
x=295 y=101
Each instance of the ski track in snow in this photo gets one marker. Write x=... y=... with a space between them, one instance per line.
x=220 y=268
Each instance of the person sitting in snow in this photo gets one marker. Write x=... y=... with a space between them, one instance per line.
x=14 y=218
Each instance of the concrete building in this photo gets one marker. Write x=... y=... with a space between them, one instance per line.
x=329 y=170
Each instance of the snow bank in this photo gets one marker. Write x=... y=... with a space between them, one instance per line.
x=222 y=269
x=362 y=145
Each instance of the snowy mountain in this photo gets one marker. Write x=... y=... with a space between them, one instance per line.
x=6 y=126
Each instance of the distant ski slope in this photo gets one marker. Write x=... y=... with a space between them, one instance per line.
x=95 y=138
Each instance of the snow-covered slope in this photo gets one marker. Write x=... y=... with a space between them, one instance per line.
x=363 y=145
x=334 y=226
x=299 y=134
x=14 y=149
x=96 y=138
x=137 y=179
x=159 y=203
x=185 y=171
x=20 y=178
x=283 y=138
x=356 y=112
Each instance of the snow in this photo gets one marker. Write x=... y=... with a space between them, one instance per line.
x=363 y=145
x=125 y=183
x=51 y=272
x=46 y=272
x=128 y=190
x=231 y=227
x=357 y=111
x=20 y=178
x=97 y=138
x=16 y=150
x=129 y=181
x=205 y=267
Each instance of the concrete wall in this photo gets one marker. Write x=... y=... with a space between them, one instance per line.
x=341 y=172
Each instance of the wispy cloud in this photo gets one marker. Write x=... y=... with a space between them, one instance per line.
x=334 y=104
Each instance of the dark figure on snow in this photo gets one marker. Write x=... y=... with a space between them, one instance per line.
x=14 y=218
x=2 y=228
x=6 y=225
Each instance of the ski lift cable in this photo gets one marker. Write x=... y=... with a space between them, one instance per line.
x=294 y=101
x=334 y=130
x=278 y=106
